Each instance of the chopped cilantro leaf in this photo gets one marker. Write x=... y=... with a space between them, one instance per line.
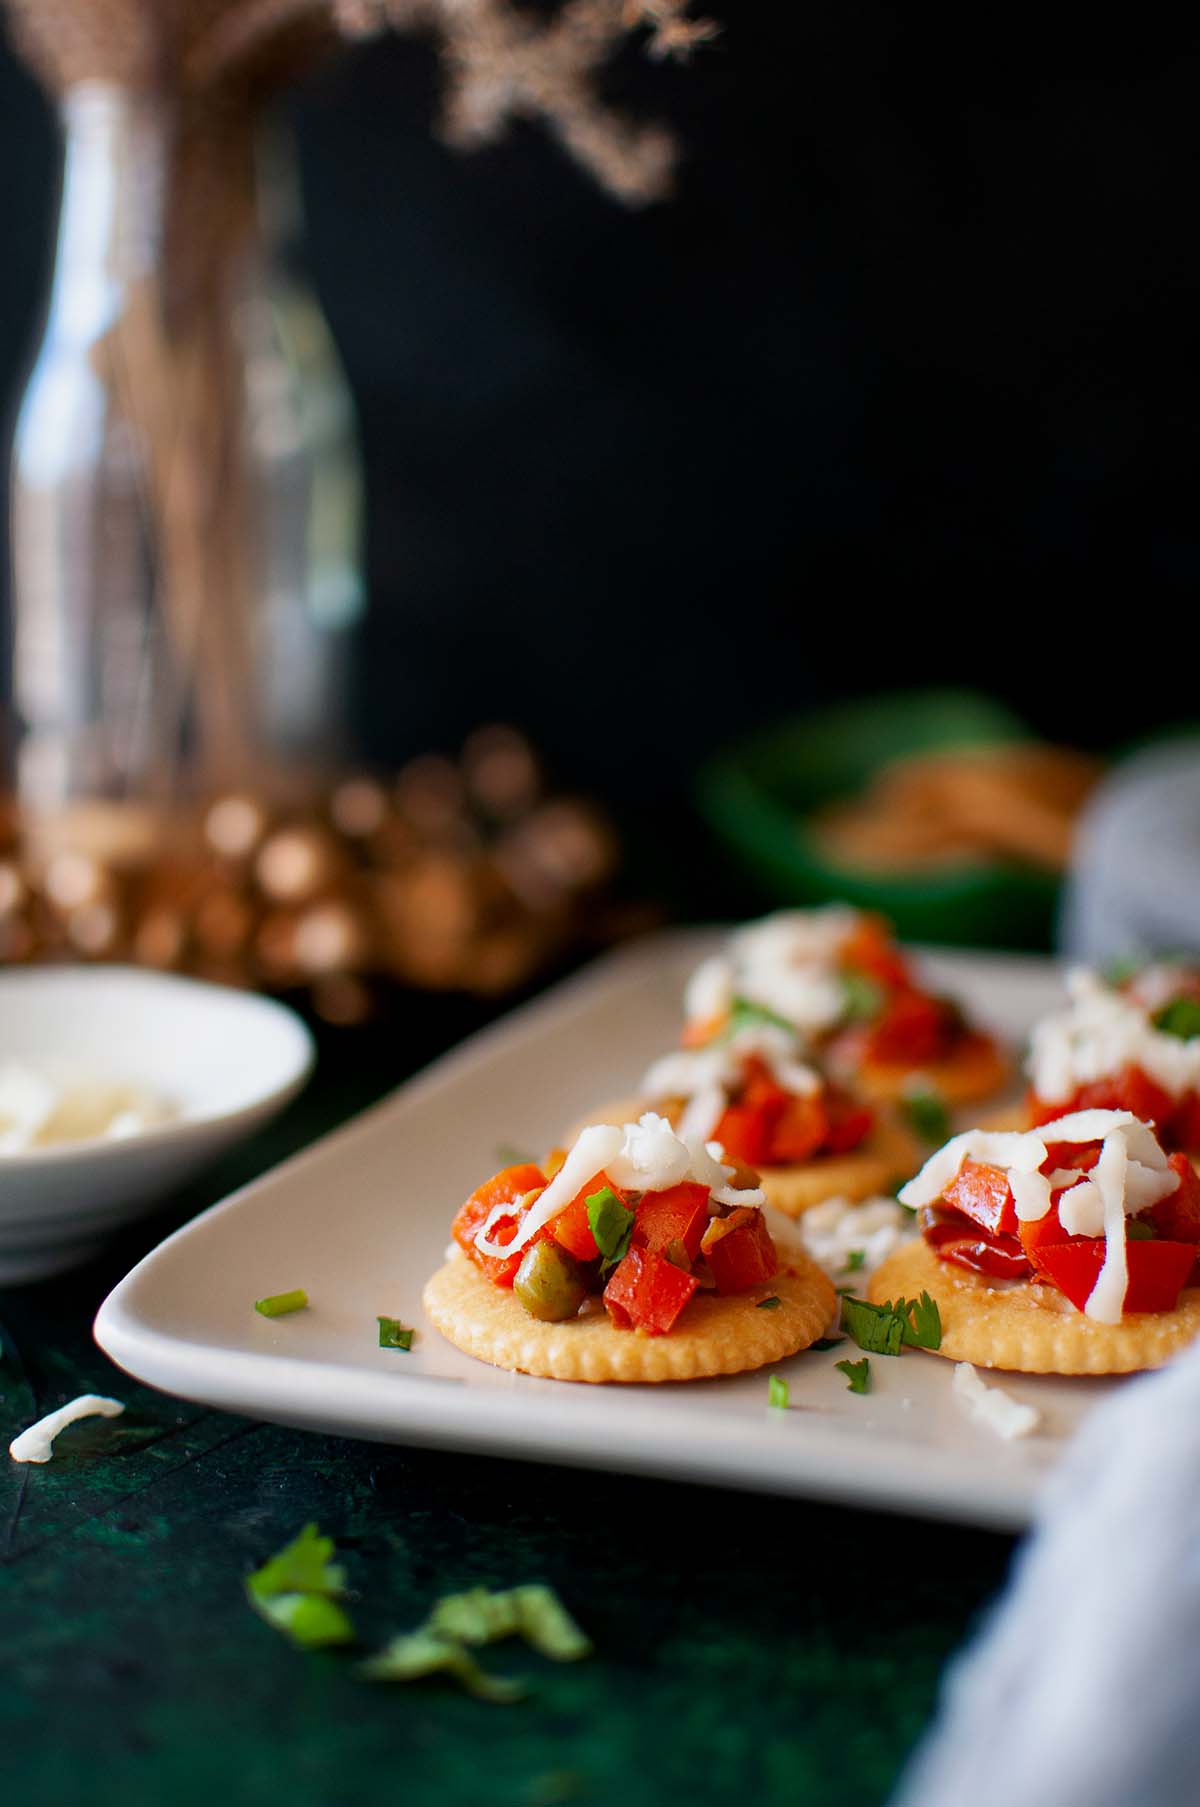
x=1181 y=1017
x=419 y=1653
x=533 y=1612
x=611 y=1223
x=297 y=1592
x=771 y=1304
x=858 y=1374
x=875 y=1328
x=277 y=1305
x=1137 y=1231
x=777 y=1390
x=309 y=1620
x=393 y=1334
x=855 y=1259
x=744 y=1013
x=862 y=997
x=923 y=1322
x=927 y=1115
x=303 y=1566
x=827 y=1342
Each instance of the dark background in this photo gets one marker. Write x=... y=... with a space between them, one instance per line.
x=900 y=387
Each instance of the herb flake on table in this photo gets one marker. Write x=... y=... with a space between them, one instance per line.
x=858 y=1374
x=278 y=1305
x=479 y=1616
x=416 y=1654
x=298 y=1589
x=393 y=1334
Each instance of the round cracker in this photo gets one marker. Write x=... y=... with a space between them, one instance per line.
x=717 y=1333
x=889 y=1153
x=1027 y=1327
x=976 y=1071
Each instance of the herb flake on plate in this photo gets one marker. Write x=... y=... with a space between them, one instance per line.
x=858 y=1374
x=393 y=1334
x=278 y=1305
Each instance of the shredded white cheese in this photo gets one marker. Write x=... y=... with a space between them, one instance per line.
x=37 y=1443
x=646 y=1156
x=992 y=1406
x=837 y=1228
x=708 y=1077
x=1131 y=1174
x=1104 y=1030
x=38 y=1109
x=787 y=963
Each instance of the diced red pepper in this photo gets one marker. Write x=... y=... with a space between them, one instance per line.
x=739 y=1250
x=913 y=1028
x=800 y=1129
x=504 y=1188
x=679 y=1214
x=1177 y=1217
x=1157 y=1271
x=869 y=948
x=962 y=1242
x=571 y=1228
x=1185 y=1123
x=1042 y=1232
x=647 y=1292
x=849 y=1121
x=1129 y=1090
x=982 y=1193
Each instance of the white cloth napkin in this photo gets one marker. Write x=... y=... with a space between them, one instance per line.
x=1083 y=1688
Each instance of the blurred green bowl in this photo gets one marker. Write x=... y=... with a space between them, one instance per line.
x=757 y=798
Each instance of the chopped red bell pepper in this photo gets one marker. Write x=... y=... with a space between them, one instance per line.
x=800 y=1129
x=679 y=1214
x=739 y=1250
x=982 y=1193
x=869 y=949
x=1177 y=1217
x=647 y=1292
x=1043 y=1232
x=964 y=1243
x=1157 y=1271
x=1185 y=1123
x=1129 y=1090
x=849 y=1121
x=504 y=1188
x=571 y=1227
x=914 y=1027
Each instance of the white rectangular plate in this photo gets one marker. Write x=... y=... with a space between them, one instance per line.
x=362 y=1218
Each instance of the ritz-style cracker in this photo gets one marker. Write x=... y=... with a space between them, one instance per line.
x=721 y=1334
x=1029 y=1328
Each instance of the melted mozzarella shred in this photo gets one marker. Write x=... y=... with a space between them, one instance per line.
x=37 y=1443
x=787 y=964
x=1101 y=1032
x=992 y=1406
x=646 y=1156
x=837 y=1228
x=1131 y=1173
x=708 y=1077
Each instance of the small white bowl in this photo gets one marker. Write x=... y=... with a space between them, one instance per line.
x=224 y=1060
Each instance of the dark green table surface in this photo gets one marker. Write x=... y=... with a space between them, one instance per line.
x=746 y=1648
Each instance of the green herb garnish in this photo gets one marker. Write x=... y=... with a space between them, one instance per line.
x=1181 y=1017
x=416 y=1654
x=611 y=1223
x=923 y=1322
x=1118 y=972
x=855 y=1259
x=858 y=1374
x=393 y=1334
x=1137 y=1231
x=862 y=997
x=277 y=1305
x=875 y=1328
x=927 y=1115
x=827 y=1342
x=777 y=1390
x=481 y=1616
x=298 y=1589
x=744 y=1013
x=771 y=1304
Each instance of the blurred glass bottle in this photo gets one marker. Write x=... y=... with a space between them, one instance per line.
x=100 y=680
